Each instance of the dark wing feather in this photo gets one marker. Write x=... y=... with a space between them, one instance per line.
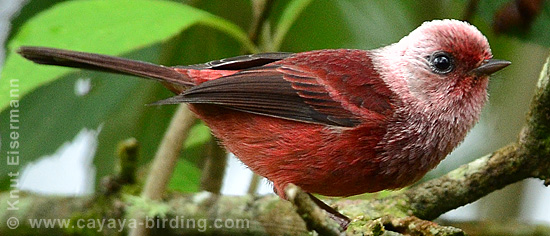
x=272 y=91
x=241 y=62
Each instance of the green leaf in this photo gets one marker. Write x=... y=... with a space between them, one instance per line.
x=30 y=10
x=121 y=26
x=200 y=133
x=186 y=177
x=292 y=11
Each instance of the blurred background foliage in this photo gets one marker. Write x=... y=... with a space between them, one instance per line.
x=51 y=113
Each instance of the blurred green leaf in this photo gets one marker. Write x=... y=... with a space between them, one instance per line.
x=361 y=24
x=292 y=11
x=30 y=9
x=111 y=27
x=187 y=177
x=200 y=133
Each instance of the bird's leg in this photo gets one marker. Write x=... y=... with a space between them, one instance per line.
x=342 y=220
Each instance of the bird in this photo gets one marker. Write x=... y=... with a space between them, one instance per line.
x=335 y=122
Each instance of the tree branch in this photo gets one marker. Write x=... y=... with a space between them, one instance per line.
x=261 y=10
x=315 y=217
x=168 y=153
x=214 y=167
x=165 y=159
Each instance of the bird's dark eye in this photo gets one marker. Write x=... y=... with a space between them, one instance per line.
x=441 y=62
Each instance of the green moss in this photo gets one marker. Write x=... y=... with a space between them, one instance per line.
x=101 y=210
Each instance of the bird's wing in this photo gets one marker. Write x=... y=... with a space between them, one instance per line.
x=269 y=91
x=331 y=87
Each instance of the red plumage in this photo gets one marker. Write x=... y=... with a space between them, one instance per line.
x=331 y=161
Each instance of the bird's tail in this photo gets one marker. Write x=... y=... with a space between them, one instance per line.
x=91 y=61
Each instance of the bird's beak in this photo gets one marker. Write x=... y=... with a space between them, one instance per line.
x=490 y=66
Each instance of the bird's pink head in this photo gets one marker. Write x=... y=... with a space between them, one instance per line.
x=441 y=62
x=439 y=73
